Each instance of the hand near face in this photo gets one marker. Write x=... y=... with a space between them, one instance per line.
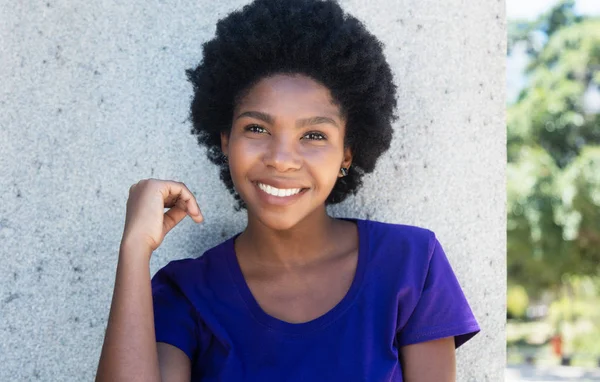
x=146 y=222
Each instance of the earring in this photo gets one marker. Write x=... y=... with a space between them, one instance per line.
x=344 y=171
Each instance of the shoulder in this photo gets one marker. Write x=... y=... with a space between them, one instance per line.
x=399 y=238
x=397 y=229
x=188 y=271
x=397 y=253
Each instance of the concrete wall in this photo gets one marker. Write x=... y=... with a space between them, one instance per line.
x=93 y=97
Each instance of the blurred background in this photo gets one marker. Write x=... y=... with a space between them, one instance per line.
x=553 y=190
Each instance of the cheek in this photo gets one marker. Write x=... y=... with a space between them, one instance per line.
x=244 y=150
x=324 y=164
x=326 y=156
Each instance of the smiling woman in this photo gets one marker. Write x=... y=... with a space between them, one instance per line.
x=329 y=47
x=286 y=136
x=294 y=101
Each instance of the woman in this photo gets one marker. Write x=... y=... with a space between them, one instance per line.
x=294 y=101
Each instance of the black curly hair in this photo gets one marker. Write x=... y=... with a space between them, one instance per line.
x=309 y=37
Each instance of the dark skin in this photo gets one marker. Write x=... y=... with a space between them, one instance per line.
x=286 y=253
x=297 y=261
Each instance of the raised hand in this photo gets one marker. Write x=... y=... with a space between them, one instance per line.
x=146 y=223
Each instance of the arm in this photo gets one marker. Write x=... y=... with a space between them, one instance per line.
x=175 y=366
x=130 y=351
x=431 y=361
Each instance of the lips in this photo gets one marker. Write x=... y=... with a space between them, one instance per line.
x=281 y=192
x=283 y=195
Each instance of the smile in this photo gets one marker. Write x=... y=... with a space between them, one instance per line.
x=280 y=192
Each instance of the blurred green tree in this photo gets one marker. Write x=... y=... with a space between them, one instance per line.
x=517 y=301
x=553 y=138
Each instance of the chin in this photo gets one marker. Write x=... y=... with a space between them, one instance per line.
x=282 y=221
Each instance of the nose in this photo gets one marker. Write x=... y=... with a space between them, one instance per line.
x=282 y=154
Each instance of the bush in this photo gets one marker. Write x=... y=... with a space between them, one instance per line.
x=517 y=301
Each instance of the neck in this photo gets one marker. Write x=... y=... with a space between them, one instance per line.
x=301 y=245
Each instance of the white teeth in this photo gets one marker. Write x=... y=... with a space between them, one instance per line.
x=278 y=192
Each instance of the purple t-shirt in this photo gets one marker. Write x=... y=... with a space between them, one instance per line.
x=404 y=292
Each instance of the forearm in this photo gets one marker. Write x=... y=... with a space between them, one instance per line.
x=129 y=351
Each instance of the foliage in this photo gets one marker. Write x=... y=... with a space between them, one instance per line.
x=517 y=301
x=530 y=33
x=551 y=111
x=553 y=148
x=577 y=316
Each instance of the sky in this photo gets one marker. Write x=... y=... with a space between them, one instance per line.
x=531 y=9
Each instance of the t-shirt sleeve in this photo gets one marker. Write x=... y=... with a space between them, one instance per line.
x=174 y=315
x=442 y=309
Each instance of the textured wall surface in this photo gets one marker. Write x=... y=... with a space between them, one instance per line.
x=93 y=98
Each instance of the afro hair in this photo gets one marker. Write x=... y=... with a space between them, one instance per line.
x=309 y=37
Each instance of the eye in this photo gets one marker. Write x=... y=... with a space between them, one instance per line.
x=315 y=136
x=255 y=129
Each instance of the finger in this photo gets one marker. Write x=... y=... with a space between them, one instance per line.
x=178 y=194
x=191 y=207
x=171 y=218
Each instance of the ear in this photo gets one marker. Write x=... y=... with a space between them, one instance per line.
x=347 y=161
x=225 y=143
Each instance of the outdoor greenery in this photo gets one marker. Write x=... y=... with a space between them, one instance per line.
x=553 y=174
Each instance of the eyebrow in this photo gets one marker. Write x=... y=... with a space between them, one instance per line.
x=300 y=123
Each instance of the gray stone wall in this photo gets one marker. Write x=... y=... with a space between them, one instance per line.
x=93 y=98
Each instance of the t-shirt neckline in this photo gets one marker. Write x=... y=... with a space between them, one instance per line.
x=292 y=328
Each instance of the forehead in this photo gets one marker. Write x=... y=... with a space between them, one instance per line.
x=284 y=94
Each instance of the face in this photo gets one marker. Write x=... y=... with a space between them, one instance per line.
x=285 y=149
